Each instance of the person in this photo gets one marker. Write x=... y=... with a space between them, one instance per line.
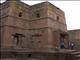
x=62 y=45
x=72 y=45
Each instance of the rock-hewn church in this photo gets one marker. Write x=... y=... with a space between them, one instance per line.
x=37 y=32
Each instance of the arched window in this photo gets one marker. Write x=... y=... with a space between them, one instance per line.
x=20 y=14
x=58 y=18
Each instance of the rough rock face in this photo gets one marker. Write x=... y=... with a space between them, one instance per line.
x=74 y=37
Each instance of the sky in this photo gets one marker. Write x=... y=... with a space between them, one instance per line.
x=71 y=9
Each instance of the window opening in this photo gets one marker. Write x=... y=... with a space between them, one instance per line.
x=18 y=38
x=29 y=55
x=20 y=14
x=36 y=35
x=57 y=17
x=38 y=15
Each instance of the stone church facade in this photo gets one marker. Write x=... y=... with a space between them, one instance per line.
x=37 y=32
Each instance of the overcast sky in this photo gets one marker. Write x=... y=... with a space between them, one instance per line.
x=71 y=9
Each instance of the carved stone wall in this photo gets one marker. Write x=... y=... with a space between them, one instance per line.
x=74 y=36
x=36 y=27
